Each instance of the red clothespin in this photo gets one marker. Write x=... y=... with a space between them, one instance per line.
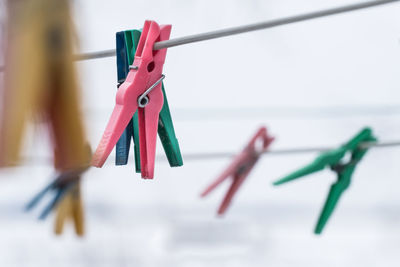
x=141 y=91
x=241 y=166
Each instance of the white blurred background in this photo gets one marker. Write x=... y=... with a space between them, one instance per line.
x=313 y=83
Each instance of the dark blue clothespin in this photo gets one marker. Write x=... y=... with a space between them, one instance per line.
x=123 y=145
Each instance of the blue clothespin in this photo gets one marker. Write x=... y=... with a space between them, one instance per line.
x=61 y=186
x=123 y=145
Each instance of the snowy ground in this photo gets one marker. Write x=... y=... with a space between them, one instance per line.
x=312 y=84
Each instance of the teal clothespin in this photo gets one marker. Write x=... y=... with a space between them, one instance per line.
x=123 y=145
x=344 y=170
x=165 y=126
x=63 y=183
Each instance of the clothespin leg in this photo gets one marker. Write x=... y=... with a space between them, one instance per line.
x=61 y=192
x=39 y=196
x=123 y=145
x=62 y=213
x=121 y=115
x=227 y=172
x=148 y=124
x=335 y=192
x=313 y=167
x=167 y=135
x=77 y=210
x=136 y=141
x=237 y=182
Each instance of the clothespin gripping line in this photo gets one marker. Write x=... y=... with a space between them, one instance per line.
x=136 y=83
x=127 y=44
x=241 y=29
x=358 y=147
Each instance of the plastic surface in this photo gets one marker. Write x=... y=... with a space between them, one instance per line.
x=240 y=167
x=344 y=171
x=66 y=199
x=71 y=207
x=40 y=49
x=127 y=43
x=123 y=145
x=149 y=69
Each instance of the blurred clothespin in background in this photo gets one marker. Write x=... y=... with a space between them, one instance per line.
x=41 y=83
x=67 y=201
x=127 y=42
x=241 y=166
x=141 y=92
x=344 y=170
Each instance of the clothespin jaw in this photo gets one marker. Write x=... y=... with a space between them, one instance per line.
x=240 y=167
x=344 y=171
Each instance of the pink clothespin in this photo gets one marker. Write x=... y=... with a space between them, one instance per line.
x=141 y=91
x=241 y=166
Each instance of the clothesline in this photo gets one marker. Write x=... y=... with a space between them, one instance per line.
x=245 y=28
x=219 y=155
x=285 y=112
x=241 y=29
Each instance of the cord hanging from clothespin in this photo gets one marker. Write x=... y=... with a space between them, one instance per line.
x=141 y=91
x=241 y=167
x=344 y=170
x=40 y=81
x=127 y=42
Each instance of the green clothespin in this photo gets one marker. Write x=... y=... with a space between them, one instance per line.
x=344 y=170
x=165 y=126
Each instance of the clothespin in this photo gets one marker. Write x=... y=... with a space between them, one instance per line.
x=127 y=43
x=66 y=191
x=71 y=207
x=123 y=55
x=333 y=159
x=241 y=166
x=40 y=50
x=67 y=200
x=140 y=92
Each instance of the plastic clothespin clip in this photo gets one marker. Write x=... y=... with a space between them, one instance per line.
x=140 y=92
x=333 y=159
x=241 y=166
x=127 y=43
x=61 y=186
x=123 y=145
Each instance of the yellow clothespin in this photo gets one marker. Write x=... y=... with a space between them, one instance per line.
x=41 y=82
x=71 y=207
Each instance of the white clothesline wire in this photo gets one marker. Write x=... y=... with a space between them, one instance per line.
x=242 y=29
